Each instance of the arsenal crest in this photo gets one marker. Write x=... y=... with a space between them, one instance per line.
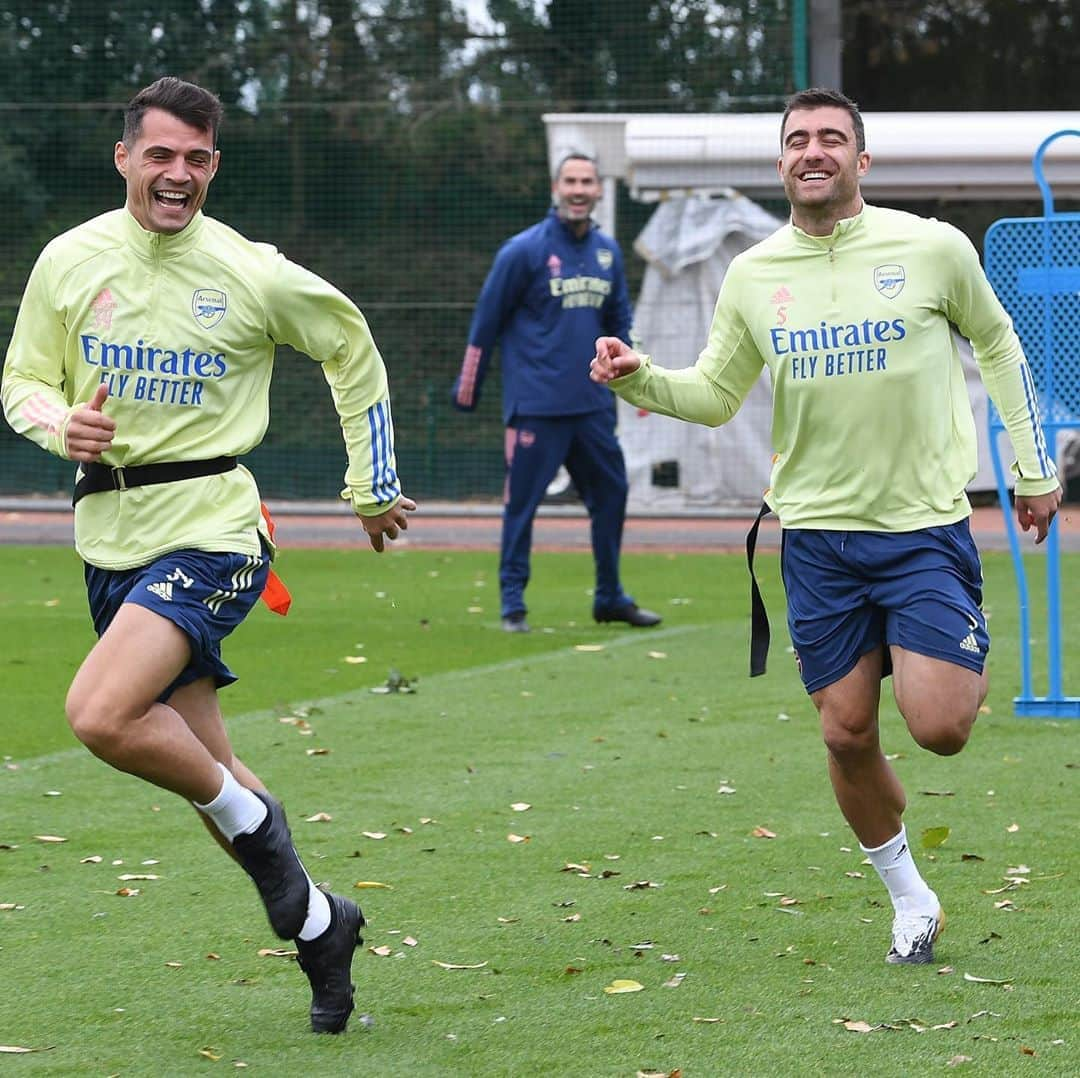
x=208 y=305
x=889 y=280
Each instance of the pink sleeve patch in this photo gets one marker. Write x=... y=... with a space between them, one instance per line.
x=40 y=412
x=469 y=366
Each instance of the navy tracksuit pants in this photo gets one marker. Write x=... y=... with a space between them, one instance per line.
x=535 y=448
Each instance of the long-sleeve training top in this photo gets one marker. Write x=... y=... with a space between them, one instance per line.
x=872 y=426
x=182 y=328
x=547 y=297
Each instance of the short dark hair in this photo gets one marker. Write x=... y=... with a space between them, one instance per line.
x=818 y=97
x=184 y=100
x=574 y=155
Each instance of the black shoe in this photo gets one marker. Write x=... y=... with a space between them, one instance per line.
x=269 y=858
x=631 y=613
x=327 y=961
x=515 y=623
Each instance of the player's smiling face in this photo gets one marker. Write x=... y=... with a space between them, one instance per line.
x=821 y=166
x=576 y=191
x=167 y=171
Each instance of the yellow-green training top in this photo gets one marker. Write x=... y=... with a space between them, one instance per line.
x=182 y=328
x=872 y=426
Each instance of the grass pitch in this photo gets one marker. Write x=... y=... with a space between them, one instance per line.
x=547 y=816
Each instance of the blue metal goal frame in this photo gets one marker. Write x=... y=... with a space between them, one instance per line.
x=1034 y=266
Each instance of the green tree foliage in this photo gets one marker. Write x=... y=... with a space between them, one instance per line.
x=962 y=54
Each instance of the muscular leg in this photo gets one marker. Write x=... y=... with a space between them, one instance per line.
x=112 y=706
x=939 y=700
x=867 y=790
x=197 y=704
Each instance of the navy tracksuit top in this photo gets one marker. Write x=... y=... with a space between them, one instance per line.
x=547 y=297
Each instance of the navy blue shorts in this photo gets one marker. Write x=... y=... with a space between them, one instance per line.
x=207 y=595
x=848 y=593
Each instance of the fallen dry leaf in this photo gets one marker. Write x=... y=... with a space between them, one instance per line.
x=763 y=832
x=639 y=885
x=382 y=951
x=518 y=838
x=95 y=860
x=174 y=965
x=455 y=965
x=372 y=885
x=355 y=660
x=674 y=981
x=319 y=817
x=706 y=1021
x=932 y=837
x=521 y=806
x=859 y=1027
x=984 y=980
x=620 y=987
x=210 y=1053
x=50 y=838
x=657 y=654
x=128 y=892
x=409 y=941
x=589 y=647
x=726 y=789
x=138 y=876
x=573 y=918
x=11 y=906
x=316 y=752
x=1013 y=828
x=508 y=920
x=18 y=1049
x=373 y=834
x=272 y=952
x=955 y=1061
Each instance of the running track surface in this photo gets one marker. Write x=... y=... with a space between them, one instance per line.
x=439 y=527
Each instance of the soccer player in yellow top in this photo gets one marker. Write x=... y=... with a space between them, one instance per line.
x=143 y=350
x=851 y=306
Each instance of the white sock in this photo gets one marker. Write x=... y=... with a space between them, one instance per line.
x=318 y=914
x=896 y=867
x=235 y=810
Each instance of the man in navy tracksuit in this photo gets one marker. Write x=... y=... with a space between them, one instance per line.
x=552 y=290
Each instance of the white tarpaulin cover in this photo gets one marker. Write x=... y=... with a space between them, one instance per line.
x=688 y=245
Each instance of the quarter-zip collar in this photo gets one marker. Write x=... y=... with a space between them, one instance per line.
x=154 y=246
x=845 y=227
x=568 y=232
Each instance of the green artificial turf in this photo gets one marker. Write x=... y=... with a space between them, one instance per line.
x=651 y=769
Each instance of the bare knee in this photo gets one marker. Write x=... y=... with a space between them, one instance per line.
x=849 y=731
x=947 y=735
x=94 y=722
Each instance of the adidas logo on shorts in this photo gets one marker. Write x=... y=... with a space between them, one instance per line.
x=164 y=591
x=969 y=643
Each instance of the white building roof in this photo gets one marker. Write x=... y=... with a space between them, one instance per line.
x=914 y=155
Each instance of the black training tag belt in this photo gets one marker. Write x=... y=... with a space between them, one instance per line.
x=97 y=477
x=759 y=619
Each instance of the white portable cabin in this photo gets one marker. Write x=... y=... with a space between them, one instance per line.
x=702 y=169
